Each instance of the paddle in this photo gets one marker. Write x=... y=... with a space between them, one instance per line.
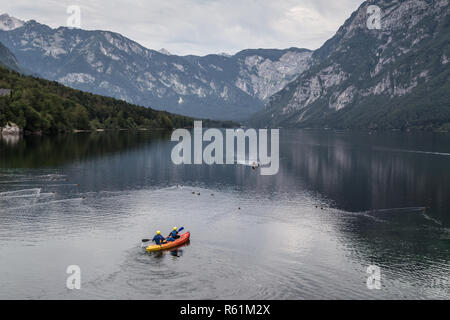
x=148 y=240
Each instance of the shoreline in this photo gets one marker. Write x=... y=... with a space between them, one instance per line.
x=40 y=133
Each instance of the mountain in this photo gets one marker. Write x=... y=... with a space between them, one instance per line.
x=106 y=63
x=258 y=72
x=165 y=51
x=7 y=59
x=8 y=23
x=396 y=77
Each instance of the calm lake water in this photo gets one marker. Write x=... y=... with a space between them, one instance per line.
x=342 y=201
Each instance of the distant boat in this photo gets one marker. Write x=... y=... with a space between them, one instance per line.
x=250 y=163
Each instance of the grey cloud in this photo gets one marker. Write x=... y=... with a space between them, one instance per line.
x=201 y=26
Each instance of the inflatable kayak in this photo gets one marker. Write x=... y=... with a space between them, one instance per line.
x=169 y=245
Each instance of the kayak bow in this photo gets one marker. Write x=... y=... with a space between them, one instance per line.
x=169 y=245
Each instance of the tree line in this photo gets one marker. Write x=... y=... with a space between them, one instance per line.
x=38 y=105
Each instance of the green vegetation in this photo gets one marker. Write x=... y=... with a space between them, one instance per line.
x=38 y=105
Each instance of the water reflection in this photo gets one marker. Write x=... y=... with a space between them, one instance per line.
x=351 y=171
x=341 y=202
x=43 y=151
x=356 y=174
x=9 y=139
x=177 y=252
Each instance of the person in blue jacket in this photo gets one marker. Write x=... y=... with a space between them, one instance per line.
x=173 y=235
x=159 y=239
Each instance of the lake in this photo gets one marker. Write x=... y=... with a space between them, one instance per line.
x=341 y=202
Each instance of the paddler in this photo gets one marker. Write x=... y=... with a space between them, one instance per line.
x=173 y=235
x=158 y=239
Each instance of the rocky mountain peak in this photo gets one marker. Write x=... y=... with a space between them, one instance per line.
x=377 y=77
x=164 y=51
x=8 y=23
x=110 y=64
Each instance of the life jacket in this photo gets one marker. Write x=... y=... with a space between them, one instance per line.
x=158 y=239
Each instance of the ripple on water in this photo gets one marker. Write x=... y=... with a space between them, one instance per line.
x=244 y=246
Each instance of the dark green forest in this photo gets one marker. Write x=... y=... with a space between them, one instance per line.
x=38 y=105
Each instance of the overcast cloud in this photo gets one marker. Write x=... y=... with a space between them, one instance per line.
x=200 y=26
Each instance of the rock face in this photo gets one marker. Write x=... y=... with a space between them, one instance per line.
x=397 y=76
x=8 y=23
x=262 y=77
x=106 y=63
x=7 y=59
x=10 y=129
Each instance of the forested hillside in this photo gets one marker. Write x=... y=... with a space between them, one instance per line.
x=40 y=105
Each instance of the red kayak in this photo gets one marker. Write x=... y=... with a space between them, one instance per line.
x=169 y=245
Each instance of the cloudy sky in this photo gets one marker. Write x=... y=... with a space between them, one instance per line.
x=200 y=26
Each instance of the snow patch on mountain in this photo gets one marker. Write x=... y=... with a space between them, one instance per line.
x=8 y=23
x=71 y=78
x=164 y=51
